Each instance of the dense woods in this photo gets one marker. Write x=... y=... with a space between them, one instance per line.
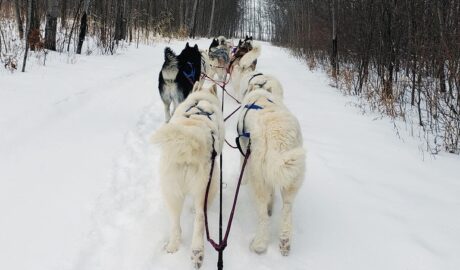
x=402 y=56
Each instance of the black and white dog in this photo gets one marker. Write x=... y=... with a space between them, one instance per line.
x=177 y=76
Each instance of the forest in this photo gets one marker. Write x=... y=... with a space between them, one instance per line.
x=401 y=57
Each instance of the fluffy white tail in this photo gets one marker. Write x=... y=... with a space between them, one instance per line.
x=284 y=168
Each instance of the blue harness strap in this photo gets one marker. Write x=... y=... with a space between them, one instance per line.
x=253 y=106
x=190 y=76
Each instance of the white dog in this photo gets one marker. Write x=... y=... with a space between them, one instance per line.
x=195 y=130
x=243 y=66
x=277 y=160
x=253 y=80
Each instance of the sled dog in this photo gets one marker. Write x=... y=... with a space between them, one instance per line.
x=244 y=65
x=177 y=76
x=277 y=160
x=216 y=59
x=254 y=80
x=187 y=143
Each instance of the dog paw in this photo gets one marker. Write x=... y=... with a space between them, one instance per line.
x=197 y=258
x=258 y=246
x=285 y=246
x=172 y=246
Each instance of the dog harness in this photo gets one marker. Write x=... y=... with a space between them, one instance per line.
x=219 y=53
x=242 y=132
x=200 y=111
x=191 y=75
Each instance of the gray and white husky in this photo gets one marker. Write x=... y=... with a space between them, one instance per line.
x=177 y=76
x=216 y=59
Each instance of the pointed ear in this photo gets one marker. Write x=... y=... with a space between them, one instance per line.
x=250 y=37
x=196 y=46
x=247 y=37
x=186 y=45
x=213 y=89
x=196 y=87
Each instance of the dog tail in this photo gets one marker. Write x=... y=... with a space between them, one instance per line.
x=284 y=168
x=170 y=56
x=183 y=143
x=251 y=57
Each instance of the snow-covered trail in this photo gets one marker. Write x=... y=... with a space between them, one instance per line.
x=369 y=200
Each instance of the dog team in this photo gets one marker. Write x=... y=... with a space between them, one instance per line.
x=194 y=130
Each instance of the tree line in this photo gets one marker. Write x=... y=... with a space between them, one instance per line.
x=401 y=55
x=110 y=21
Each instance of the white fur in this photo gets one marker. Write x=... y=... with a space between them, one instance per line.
x=243 y=67
x=186 y=146
x=250 y=82
x=170 y=92
x=277 y=160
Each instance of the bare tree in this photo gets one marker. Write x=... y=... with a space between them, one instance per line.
x=19 y=19
x=212 y=17
x=195 y=6
x=29 y=22
x=51 y=24
x=83 y=26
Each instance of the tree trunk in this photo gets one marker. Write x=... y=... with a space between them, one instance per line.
x=29 y=19
x=212 y=17
x=334 y=39
x=119 y=32
x=63 y=13
x=192 y=32
x=19 y=19
x=83 y=26
x=51 y=24
x=181 y=14
x=73 y=24
x=34 y=27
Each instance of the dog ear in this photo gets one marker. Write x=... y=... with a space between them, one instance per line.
x=187 y=45
x=247 y=37
x=213 y=89
x=196 y=87
x=196 y=46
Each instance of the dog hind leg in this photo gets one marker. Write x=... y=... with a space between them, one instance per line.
x=198 y=232
x=262 y=198
x=198 y=227
x=288 y=194
x=174 y=205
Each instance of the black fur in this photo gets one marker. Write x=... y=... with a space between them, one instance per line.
x=214 y=44
x=187 y=62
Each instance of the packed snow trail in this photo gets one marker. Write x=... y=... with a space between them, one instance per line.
x=369 y=200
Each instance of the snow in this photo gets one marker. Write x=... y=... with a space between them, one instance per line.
x=79 y=183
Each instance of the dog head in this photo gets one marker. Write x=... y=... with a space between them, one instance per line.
x=190 y=61
x=214 y=43
x=191 y=52
x=212 y=89
x=244 y=46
